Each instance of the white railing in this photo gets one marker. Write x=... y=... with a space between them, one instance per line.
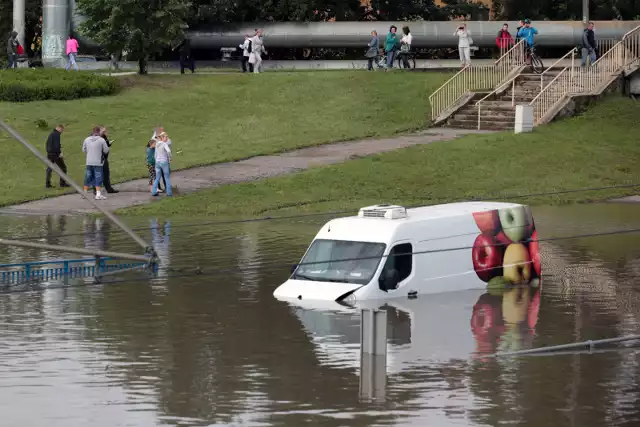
x=623 y=56
x=475 y=78
x=572 y=52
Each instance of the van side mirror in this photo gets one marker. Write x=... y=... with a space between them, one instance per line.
x=293 y=268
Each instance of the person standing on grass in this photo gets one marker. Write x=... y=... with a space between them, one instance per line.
x=246 y=53
x=464 y=44
x=391 y=45
x=94 y=147
x=54 y=154
x=588 y=46
x=163 y=159
x=72 y=52
x=186 y=57
x=12 y=50
x=106 y=172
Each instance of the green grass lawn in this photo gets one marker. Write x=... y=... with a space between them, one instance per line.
x=215 y=119
x=599 y=148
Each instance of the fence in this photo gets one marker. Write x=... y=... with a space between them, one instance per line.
x=474 y=78
x=60 y=269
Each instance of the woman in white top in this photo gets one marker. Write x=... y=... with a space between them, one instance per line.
x=405 y=46
x=464 y=44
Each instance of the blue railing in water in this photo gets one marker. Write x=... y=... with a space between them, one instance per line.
x=60 y=269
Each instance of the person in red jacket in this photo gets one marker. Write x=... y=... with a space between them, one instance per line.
x=504 y=41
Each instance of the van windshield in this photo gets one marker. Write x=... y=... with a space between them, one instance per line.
x=322 y=261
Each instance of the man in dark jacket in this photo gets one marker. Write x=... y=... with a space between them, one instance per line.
x=54 y=154
x=589 y=45
x=186 y=59
x=12 y=50
x=106 y=173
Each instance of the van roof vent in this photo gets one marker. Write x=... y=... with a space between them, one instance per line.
x=383 y=211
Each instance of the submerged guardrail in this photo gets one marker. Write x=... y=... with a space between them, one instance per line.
x=60 y=269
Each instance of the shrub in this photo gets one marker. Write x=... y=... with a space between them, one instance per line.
x=29 y=84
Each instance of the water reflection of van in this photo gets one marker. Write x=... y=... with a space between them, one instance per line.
x=388 y=252
x=420 y=330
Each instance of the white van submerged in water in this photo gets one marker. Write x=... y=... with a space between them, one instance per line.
x=387 y=251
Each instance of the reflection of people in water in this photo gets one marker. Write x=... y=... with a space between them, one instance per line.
x=161 y=237
x=505 y=322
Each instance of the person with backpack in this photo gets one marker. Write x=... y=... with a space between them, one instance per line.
x=504 y=40
x=246 y=53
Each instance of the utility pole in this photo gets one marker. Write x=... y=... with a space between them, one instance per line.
x=55 y=30
x=585 y=11
x=18 y=20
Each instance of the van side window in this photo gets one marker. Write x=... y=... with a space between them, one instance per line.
x=398 y=266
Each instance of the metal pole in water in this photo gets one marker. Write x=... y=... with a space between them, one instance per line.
x=588 y=344
x=147 y=248
x=74 y=250
x=373 y=354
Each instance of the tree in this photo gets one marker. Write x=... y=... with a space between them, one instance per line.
x=140 y=27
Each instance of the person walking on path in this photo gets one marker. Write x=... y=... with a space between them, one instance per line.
x=94 y=147
x=72 y=52
x=12 y=50
x=504 y=40
x=391 y=45
x=373 y=50
x=246 y=53
x=163 y=159
x=106 y=172
x=54 y=154
x=464 y=44
x=589 y=46
x=186 y=58
x=257 y=49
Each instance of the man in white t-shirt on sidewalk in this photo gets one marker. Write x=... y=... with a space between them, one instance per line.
x=156 y=133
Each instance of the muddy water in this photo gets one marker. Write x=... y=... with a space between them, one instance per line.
x=217 y=349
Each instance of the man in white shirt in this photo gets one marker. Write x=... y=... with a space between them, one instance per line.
x=156 y=132
x=163 y=158
x=246 y=52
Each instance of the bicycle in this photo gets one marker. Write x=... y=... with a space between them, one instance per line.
x=534 y=60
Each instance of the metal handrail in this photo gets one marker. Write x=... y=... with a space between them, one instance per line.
x=572 y=52
x=474 y=77
x=549 y=85
x=515 y=46
x=511 y=81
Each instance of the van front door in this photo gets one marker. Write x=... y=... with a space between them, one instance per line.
x=398 y=267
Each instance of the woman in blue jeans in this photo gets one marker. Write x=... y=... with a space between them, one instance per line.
x=391 y=45
x=163 y=159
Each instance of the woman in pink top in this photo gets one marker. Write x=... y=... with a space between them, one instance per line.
x=72 y=51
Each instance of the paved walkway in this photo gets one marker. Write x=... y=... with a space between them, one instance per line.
x=136 y=192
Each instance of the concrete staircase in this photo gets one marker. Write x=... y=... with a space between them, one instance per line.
x=498 y=112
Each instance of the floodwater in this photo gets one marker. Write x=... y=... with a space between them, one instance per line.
x=217 y=349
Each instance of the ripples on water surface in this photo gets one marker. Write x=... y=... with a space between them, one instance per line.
x=220 y=350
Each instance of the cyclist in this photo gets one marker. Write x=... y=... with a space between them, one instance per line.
x=528 y=33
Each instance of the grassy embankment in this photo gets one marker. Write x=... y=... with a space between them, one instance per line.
x=214 y=119
x=599 y=148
